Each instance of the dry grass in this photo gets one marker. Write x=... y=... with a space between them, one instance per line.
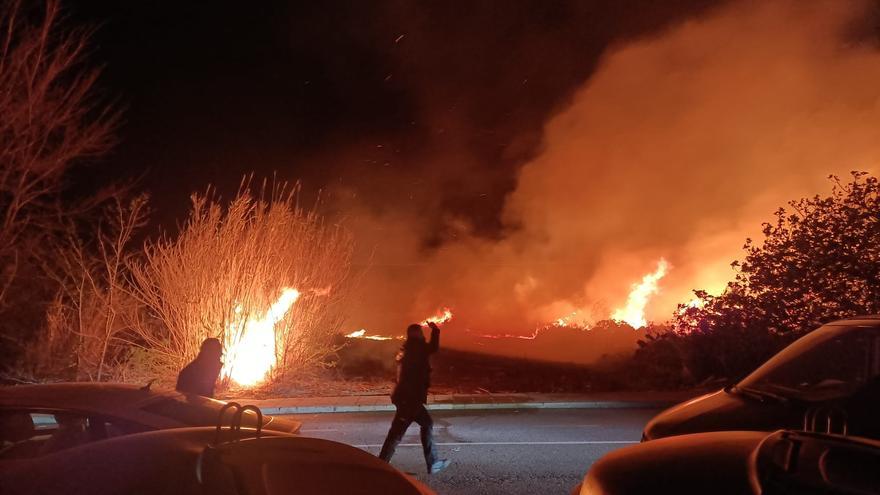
x=228 y=264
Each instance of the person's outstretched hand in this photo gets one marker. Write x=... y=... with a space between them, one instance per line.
x=433 y=326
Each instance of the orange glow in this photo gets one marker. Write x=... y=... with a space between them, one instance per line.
x=569 y=321
x=633 y=313
x=531 y=336
x=695 y=303
x=250 y=359
x=440 y=318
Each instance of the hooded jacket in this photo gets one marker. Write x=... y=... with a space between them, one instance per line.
x=414 y=370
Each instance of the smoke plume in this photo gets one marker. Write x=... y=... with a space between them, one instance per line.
x=677 y=147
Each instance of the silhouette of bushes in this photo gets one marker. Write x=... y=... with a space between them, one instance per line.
x=817 y=262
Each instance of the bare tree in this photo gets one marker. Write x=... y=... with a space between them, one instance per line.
x=50 y=120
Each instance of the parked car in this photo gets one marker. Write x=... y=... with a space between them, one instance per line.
x=58 y=416
x=207 y=460
x=828 y=380
x=740 y=463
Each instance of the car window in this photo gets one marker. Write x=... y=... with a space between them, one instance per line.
x=44 y=421
x=33 y=433
x=824 y=367
x=194 y=410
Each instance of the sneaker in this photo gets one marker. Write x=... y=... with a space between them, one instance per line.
x=438 y=466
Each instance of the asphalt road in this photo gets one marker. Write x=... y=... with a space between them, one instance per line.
x=496 y=452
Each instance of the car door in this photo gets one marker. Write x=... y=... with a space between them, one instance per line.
x=34 y=432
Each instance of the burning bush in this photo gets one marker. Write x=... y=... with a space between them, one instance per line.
x=264 y=275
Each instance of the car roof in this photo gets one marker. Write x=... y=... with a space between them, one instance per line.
x=300 y=461
x=118 y=399
x=154 y=462
x=864 y=320
x=84 y=396
x=123 y=464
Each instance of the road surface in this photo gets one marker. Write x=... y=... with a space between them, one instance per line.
x=495 y=452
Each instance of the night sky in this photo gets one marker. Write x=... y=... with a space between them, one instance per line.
x=423 y=105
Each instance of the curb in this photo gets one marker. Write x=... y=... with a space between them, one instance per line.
x=282 y=410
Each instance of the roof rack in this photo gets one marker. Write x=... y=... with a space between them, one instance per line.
x=210 y=469
x=235 y=422
x=826 y=419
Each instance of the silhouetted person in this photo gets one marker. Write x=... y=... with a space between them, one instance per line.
x=411 y=393
x=199 y=376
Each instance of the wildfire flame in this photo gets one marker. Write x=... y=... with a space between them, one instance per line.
x=250 y=359
x=569 y=321
x=362 y=334
x=633 y=313
x=440 y=318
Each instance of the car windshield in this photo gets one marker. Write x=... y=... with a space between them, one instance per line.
x=829 y=363
x=194 y=410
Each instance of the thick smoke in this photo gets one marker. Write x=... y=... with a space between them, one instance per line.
x=678 y=146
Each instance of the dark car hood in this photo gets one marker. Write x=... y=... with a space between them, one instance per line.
x=703 y=463
x=284 y=425
x=740 y=462
x=723 y=410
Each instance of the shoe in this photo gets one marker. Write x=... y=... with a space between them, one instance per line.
x=438 y=466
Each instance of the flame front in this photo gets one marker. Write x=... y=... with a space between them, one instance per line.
x=250 y=359
x=633 y=313
x=440 y=318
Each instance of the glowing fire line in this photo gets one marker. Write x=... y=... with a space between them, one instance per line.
x=362 y=334
x=499 y=336
x=561 y=322
x=442 y=316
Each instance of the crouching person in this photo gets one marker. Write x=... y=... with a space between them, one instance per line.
x=200 y=376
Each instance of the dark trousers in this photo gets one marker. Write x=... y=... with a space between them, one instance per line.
x=405 y=415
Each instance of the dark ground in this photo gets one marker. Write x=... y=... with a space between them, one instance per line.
x=471 y=372
x=367 y=367
x=496 y=452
